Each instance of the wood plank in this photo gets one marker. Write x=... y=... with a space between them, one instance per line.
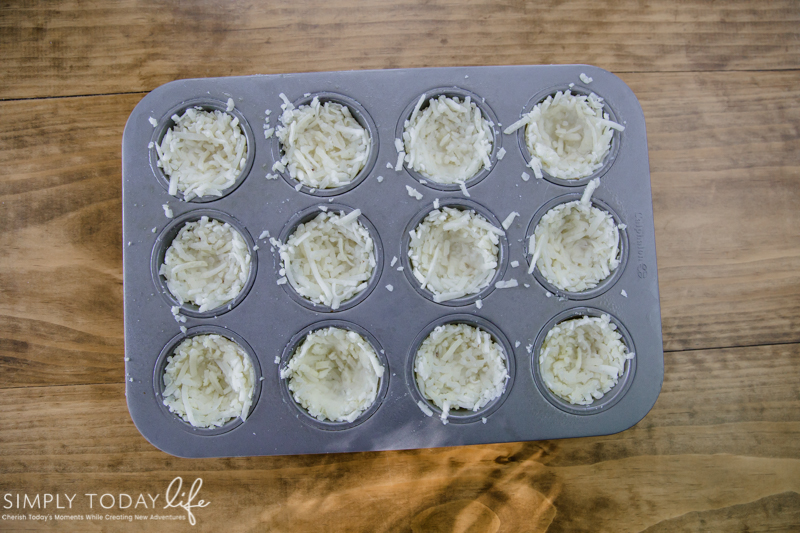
x=61 y=214
x=725 y=418
x=726 y=186
x=774 y=513
x=724 y=170
x=78 y=48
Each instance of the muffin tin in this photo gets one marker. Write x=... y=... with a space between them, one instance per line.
x=268 y=320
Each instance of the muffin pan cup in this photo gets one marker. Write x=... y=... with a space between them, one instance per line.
x=462 y=95
x=309 y=214
x=161 y=364
x=603 y=285
x=165 y=122
x=266 y=319
x=164 y=241
x=460 y=415
x=383 y=382
x=359 y=114
x=611 y=397
x=462 y=204
x=577 y=90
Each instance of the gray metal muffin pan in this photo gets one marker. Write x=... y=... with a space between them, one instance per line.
x=267 y=320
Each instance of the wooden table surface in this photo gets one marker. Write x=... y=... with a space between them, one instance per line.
x=720 y=86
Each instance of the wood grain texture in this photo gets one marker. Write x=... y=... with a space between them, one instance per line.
x=780 y=512
x=725 y=178
x=725 y=174
x=61 y=214
x=80 y=47
x=715 y=454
